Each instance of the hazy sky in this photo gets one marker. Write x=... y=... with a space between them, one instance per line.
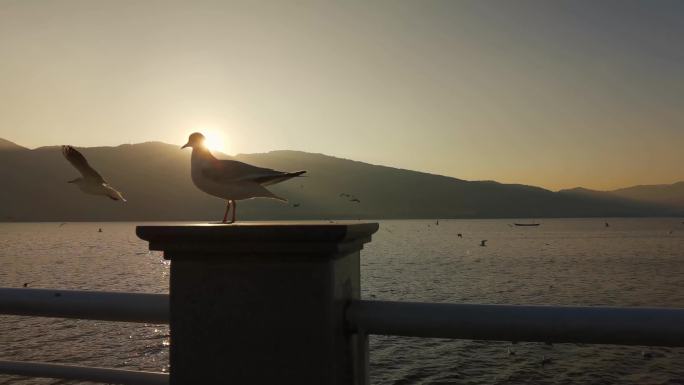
x=549 y=93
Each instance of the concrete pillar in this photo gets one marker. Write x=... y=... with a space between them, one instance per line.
x=263 y=303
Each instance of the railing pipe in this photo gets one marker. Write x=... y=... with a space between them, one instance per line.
x=596 y=325
x=92 y=305
x=83 y=373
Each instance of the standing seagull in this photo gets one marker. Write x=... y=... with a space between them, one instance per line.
x=91 y=182
x=229 y=179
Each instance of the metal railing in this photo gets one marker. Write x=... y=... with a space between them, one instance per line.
x=89 y=305
x=83 y=373
x=577 y=324
x=596 y=325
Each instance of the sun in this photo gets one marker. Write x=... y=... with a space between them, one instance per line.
x=214 y=140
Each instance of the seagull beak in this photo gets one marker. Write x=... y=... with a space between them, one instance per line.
x=185 y=145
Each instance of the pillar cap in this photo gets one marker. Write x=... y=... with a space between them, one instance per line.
x=280 y=237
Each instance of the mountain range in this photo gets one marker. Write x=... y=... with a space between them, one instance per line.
x=155 y=178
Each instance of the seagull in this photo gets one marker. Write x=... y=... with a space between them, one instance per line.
x=483 y=243
x=91 y=182
x=229 y=179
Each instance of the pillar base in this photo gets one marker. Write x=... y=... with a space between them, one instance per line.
x=263 y=302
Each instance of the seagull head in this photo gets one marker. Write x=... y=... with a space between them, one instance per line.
x=195 y=140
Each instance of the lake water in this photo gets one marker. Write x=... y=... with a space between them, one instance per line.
x=634 y=262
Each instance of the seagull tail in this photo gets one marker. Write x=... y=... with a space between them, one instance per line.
x=273 y=179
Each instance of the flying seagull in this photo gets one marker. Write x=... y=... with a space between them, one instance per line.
x=483 y=243
x=229 y=179
x=91 y=182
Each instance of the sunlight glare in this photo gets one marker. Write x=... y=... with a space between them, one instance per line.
x=215 y=140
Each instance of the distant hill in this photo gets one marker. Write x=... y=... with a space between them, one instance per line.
x=667 y=194
x=155 y=178
x=663 y=195
x=6 y=145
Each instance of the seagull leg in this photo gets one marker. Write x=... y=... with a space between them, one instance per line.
x=225 y=215
x=234 y=210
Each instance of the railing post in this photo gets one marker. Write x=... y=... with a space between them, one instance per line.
x=263 y=303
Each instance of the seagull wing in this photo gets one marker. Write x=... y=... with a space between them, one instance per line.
x=232 y=171
x=81 y=164
x=113 y=193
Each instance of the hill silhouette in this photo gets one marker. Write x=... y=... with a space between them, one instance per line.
x=155 y=178
x=6 y=145
x=667 y=194
x=663 y=195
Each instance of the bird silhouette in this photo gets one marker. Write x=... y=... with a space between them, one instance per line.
x=91 y=181
x=483 y=243
x=229 y=179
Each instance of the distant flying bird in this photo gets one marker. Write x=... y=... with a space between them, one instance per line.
x=483 y=243
x=460 y=235
x=607 y=224
x=229 y=179
x=91 y=182
x=295 y=204
x=356 y=200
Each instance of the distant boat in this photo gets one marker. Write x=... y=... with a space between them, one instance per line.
x=527 y=224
